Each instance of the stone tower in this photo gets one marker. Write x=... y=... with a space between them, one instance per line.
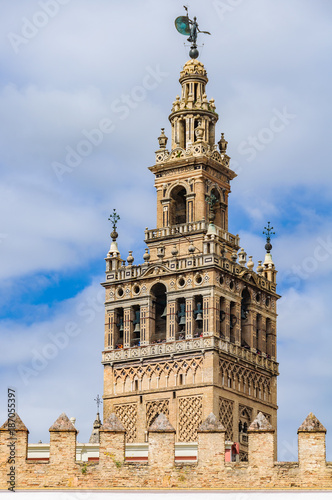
x=192 y=330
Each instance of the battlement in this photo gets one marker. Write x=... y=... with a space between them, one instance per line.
x=162 y=469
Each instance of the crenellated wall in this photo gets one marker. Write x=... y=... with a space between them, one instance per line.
x=211 y=471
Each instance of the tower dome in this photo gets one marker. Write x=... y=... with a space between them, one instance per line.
x=193 y=117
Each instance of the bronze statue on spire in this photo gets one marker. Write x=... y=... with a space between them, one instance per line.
x=186 y=26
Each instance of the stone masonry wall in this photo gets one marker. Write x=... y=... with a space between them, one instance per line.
x=211 y=471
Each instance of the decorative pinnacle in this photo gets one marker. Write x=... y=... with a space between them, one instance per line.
x=98 y=401
x=268 y=233
x=114 y=218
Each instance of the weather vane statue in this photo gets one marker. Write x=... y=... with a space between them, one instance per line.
x=186 y=26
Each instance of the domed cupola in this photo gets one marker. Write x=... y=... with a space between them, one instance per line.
x=193 y=117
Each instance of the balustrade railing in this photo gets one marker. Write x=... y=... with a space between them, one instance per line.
x=188 y=345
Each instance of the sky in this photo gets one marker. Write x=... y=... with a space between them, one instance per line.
x=85 y=87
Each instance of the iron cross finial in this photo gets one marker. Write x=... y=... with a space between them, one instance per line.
x=98 y=401
x=114 y=218
x=268 y=231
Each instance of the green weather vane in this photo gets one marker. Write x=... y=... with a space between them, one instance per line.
x=190 y=28
x=114 y=218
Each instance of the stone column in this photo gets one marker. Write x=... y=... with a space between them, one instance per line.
x=200 y=204
x=211 y=443
x=190 y=322
x=128 y=317
x=161 y=443
x=171 y=320
x=226 y=323
x=271 y=338
x=262 y=336
x=159 y=208
x=62 y=441
x=111 y=329
x=237 y=326
x=147 y=320
x=311 y=435
x=206 y=315
x=217 y=331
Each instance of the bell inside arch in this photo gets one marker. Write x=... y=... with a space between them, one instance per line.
x=182 y=315
x=164 y=314
x=120 y=325
x=136 y=322
x=199 y=313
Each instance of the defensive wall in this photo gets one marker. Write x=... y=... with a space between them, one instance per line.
x=62 y=471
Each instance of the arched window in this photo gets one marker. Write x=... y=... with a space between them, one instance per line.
x=219 y=209
x=232 y=321
x=245 y=322
x=118 y=328
x=178 y=210
x=159 y=305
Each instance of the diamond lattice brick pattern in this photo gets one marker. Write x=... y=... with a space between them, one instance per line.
x=190 y=417
x=226 y=416
x=128 y=416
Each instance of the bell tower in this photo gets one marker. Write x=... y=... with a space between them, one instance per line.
x=192 y=330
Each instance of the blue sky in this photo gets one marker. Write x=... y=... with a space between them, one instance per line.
x=68 y=68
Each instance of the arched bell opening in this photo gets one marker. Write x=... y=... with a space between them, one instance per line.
x=232 y=321
x=182 y=133
x=118 y=328
x=181 y=320
x=136 y=335
x=270 y=349
x=222 y=317
x=219 y=219
x=178 y=208
x=259 y=333
x=159 y=308
x=198 y=316
x=245 y=319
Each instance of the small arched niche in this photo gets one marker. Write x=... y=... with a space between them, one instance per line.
x=245 y=321
x=159 y=305
x=178 y=211
x=219 y=209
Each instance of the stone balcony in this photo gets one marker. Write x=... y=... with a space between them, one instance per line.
x=188 y=346
x=189 y=228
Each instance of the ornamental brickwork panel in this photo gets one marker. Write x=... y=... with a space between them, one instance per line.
x=226 y=416
x=190 y=417
x=128 y=416
x=154 y=408
x=267 y=416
